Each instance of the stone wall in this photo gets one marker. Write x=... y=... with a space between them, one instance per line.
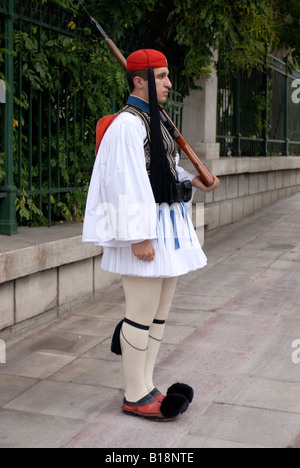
x=44 y=274
x=247 y=185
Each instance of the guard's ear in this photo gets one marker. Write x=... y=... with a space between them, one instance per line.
x=139 y=82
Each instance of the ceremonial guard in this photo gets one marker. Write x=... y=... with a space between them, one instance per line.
x=136 y=210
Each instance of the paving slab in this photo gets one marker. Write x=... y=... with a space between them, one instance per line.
x=192 y=442
x=233 y=335
x=92 y=372
x=67 y=343
x=247 y=425
x=58 y=398
x=38 y=365
x=12 y=385
x=250 y=391
x=27 y=430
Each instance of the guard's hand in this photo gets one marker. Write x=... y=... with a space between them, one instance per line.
x=144 y=251
x=196 y=182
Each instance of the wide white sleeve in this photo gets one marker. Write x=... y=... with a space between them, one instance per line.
x=121 y=209
x=183 y=175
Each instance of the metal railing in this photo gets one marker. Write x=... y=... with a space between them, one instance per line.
x=38 y=137
x=257 y=115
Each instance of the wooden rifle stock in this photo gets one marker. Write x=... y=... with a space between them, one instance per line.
x=116 y=52
x=203 y=172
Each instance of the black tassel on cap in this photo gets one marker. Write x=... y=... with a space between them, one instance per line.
x=162 y=180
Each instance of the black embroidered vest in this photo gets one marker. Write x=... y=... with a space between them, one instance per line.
x=169 y=144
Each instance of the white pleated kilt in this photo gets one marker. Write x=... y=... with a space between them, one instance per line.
x=177 y=249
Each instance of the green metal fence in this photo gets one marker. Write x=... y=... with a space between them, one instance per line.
x=35 y=136
x=257 y=115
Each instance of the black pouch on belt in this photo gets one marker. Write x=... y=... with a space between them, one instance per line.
x=183 y=192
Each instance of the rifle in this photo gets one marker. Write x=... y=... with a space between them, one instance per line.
x=204 y=173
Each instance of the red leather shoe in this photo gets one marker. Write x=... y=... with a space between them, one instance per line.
x=159 y=397
x=147 y=408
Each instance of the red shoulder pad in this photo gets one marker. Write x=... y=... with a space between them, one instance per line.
x=102 y=126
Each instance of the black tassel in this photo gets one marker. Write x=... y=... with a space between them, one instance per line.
x=182 y=389
x=174 y=405
x=116 y=343
x=162 y=180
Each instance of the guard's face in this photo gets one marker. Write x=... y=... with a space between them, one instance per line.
x=163 y=84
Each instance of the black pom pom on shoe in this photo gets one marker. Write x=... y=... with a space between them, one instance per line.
x=116 y=343
x=174 y=405
x=182 y=389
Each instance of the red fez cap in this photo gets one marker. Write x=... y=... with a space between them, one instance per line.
x=146 y=58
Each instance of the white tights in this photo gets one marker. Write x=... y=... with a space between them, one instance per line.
x=148 y=302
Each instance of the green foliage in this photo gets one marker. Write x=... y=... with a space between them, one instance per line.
x=188 y=31
x=244 y=30
x=27 y=209
x=73 y=79
x=70 y=4
x=287 y=15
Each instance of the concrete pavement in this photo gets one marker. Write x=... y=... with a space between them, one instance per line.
x=233 y=334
